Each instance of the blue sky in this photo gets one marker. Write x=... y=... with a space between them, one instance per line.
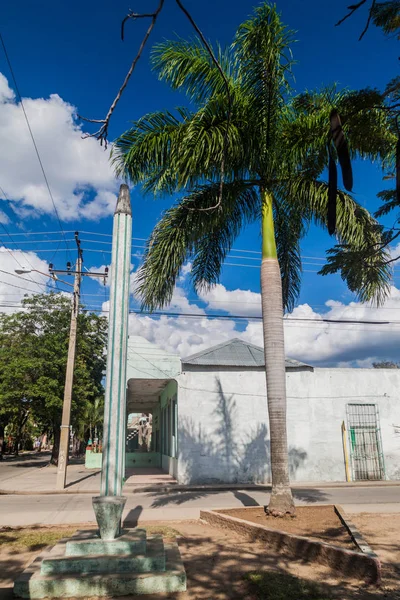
x=74 y=50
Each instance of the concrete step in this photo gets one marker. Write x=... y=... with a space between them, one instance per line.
x=84 y=543
x=152 y=560
x=32 y=584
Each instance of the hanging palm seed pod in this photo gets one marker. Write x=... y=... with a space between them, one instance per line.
x=332 y=194
x=342 y=150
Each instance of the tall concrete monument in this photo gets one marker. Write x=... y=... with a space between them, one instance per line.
x=116 y=562
x=109 y=506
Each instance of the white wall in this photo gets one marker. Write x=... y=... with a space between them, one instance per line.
x=223 y=422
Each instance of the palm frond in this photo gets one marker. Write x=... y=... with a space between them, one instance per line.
x=389 y=198
x=354 y=224
x=387 y=15
x=289 y=229
x=147 y=146
x=186 y=64
x=359 y=234
x=305 y=130
x=204 y=237
x=166 y=153
x=364 y=268
x=262 y=46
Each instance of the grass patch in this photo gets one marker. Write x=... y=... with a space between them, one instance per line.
x=164 y=530
x=271 y=585
x=32 y=539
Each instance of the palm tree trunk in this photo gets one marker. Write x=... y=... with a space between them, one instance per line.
x=281 y=501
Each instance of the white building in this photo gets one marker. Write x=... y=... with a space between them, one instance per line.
x=210 y=417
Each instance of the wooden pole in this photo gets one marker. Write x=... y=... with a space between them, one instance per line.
x=69 y=379
x=345 y=452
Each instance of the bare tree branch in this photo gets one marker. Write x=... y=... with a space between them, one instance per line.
x=102 y=133
x=352 y=8
x=368 y=20
x=229 y=114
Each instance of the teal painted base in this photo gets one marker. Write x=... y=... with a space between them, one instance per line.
x=108 y=511
x=152 y=560
x=143 y=459
x=93 y=460
x=133 y=459
x=55 y=574
x=131 y=541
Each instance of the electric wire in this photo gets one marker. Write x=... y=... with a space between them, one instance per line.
x=32 y=137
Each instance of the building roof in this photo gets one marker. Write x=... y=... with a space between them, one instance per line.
x=236 y=353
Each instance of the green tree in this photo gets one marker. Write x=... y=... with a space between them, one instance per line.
x=386 y=364
x=275 y=154
x=33 y=356
x=385 y=15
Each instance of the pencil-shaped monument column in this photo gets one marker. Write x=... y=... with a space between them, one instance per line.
x=109 y=505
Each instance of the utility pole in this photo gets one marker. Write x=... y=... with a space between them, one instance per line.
x=69 y=375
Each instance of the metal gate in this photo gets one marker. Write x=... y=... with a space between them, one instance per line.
x=365 y=442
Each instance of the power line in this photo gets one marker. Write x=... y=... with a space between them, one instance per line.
x=24 y=288
x=23 y=278
x=9 y=250
x=32 y=136
x=233 y=318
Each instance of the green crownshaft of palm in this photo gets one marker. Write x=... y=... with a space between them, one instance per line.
x=276 y=154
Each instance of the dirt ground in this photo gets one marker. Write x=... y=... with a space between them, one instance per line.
x=316 y=522
x=217 y=560
x=382 y=532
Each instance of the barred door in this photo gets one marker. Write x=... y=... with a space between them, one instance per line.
x=365 y=442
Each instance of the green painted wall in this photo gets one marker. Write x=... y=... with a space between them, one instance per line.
x=168 y=392
x=133 y=459
x=93 y=460
x=143 y=459
x=169 y=442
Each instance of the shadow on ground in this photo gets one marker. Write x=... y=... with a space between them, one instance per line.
x=245 y=498
x=217 y=563
x=217 y=566
x=87 y=476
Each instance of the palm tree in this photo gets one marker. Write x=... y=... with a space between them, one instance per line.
x=275 y=154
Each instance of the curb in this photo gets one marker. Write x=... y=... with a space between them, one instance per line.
x=364 y=566
x=138 y=489
x=355 y=535
x=176 y=487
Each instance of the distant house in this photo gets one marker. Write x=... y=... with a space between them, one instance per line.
x=210 y=418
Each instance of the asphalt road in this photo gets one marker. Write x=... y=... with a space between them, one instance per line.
x=74 y=508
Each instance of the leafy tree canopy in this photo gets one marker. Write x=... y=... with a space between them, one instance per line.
x=33 y=357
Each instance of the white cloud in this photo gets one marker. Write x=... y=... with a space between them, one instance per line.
x=182 y=335
x=235 y=302
x=180 y=303
x=13 y=287
x=315 y=342
x=4 y=218
x=75 y=167
x=185 y=270
x=356 y=343
x=6 y=93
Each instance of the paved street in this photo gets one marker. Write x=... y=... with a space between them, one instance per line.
x=76 y=508
x=29 y=474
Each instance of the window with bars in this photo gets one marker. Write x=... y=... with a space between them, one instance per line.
x=365 y=442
